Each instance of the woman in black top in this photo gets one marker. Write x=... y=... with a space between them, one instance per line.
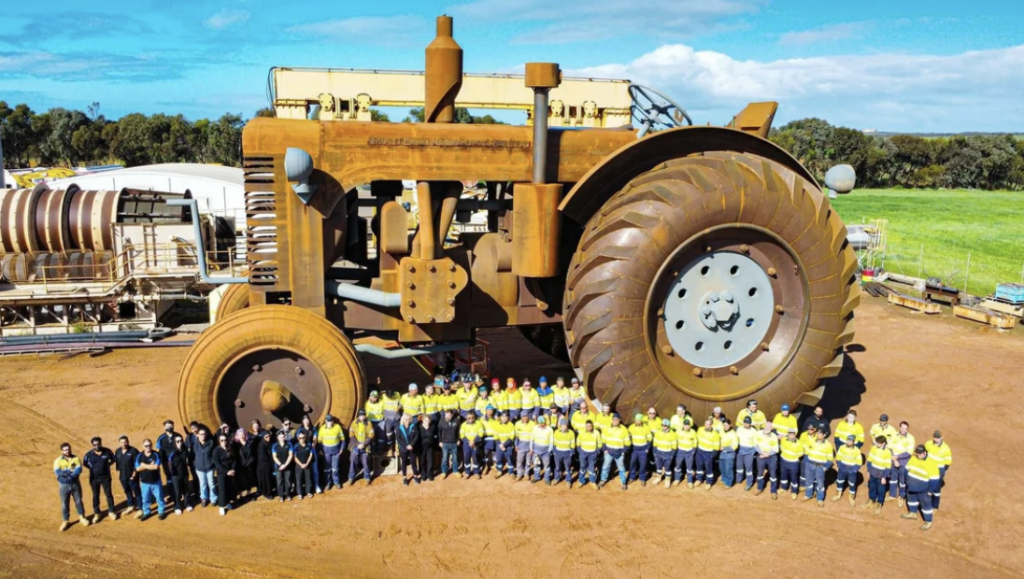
x=180 y=460
x=283 y=457
x=245 y=479
x=428 y=445
x=264 y=466
x=224 y=462
x=304 y=465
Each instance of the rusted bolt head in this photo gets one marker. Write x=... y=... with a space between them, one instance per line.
x=411 y=268
x=449 y=317
x=796 y=268
x=410 y=303
x=257 y=368
x=410 y=285
x=698 y=372
x=661 y=312
x=734 y=370
x=666 y=349
x=429 y=318
x=450 y=283
x=779 y=309
x=675 y=273
x=239 y=403
x=707 y=248
x=745 y=248
x=299 y=371
x=764 y=346
x=409 y=319
x=450 y=301
x=431 y=268
x=772 y=272
x=307 y=409
x=451 y=267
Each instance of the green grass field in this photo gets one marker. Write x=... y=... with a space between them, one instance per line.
x=948 y=224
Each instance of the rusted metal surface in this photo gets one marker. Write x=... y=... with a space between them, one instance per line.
x=444 y=74
x=755 y=118
x=915 y=304
x=536 y=230
x=985 y=316
x=429 y=289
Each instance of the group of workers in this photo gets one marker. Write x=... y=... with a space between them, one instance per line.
x=547 y=433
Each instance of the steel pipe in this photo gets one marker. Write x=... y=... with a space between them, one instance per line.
x=409 y=352
x=201 y=247
x=362 y=294
x=540 y=134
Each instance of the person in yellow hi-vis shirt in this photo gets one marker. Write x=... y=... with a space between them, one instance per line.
x=472 y=434
x=686 y=452
x=499 y=399
x=524 y=443
x=901 y=445
x=709 y=442
x=820 y=456
x=848 y=459
x=616 y=444
x=360 y=438
x=767 y=448
x=332 y=439
x=467 y=398
x=581 y=417
x=530 y=400
x=604 y=420
x=68 y=469
x=847 y=427
x=664 y=453
x=505 y=437
x=939 y=452
x=791 y=450
x=588 y=442
x=757 y=418
x=412 y=403
x=783 y=422
x=565 y=444
x=640 y=438
x=374 y=408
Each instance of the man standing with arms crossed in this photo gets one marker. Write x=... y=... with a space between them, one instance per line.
x=901 y=445
x=848 y=460
x=68 y=468
x=730 y=444
x=791 y=451
x=360 y=439
x=98 y=461
x=640 y=437
x=587 y=442
x=124 y=460
x=148 y=466
x=664 y=453
x=768 y=460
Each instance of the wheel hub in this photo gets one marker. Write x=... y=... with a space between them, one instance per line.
x=718 y=309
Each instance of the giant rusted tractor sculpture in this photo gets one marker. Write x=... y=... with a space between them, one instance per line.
x=697 y=265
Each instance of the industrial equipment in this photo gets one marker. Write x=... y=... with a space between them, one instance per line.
x=697 y=265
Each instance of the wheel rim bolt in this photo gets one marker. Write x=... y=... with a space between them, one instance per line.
x=299 y=371
x=667 y=349
x=772 y=272
x=779 y=309
x=764 y=346
x=745 y=248
x=698 y=372
x=734 y=370
x=257 y=368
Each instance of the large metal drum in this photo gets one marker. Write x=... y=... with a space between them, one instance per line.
x=17 y=219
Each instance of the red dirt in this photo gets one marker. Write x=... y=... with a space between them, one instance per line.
x=935 y=373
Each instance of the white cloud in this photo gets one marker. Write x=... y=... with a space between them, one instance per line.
x=601 y=19
x=834 y=32
x=975 y=90
x=227 y=18
x=388 y=30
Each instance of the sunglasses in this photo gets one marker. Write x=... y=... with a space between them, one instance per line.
x=147 y=446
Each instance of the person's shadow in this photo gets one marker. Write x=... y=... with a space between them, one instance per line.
x=845 y=390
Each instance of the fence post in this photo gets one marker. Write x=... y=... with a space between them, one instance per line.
x=967 y=276
x=920 y=261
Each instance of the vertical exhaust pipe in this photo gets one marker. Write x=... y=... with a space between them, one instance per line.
x=443 y=75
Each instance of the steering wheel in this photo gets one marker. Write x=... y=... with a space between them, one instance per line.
x=651 y=109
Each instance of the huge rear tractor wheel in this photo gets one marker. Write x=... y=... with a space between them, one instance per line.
x=270 y=362
x=235 y=298
x=707 y=281
x=548 y=338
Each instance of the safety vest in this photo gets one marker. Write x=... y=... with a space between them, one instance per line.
x=922 y=475
x=392 y=404
x=360 y=431
x=821 y=452
x=757 y=419
x=716 y=423
x=504 y=432
x=791 y=450
x=467 y=398
x=846 y=429
x=665 y=441
x=524 y=431
x=489 y=425
x=471 y=432
x=543 y=437
x=902 y=444
x=588 y=441
x=514 y=399
x=615 y=437
x=545 y=400
x=565 y=440
x=562 y=397
x=530 y=399
x=603 y=422
x=686 y=440
x=330 y=435
x=676 y=422
x=879 y=460
x=374 y=410
x=431 y=403
x=848 y=456
x=499 y=400
x=448 y=401
x=781 y=424
x=412 y=405
x=639 y=435
x=481 y=405
x=579 y=420
x=888 y=431
x=806 y=440
x=577 y=395
x=708 y=440
x=942 y=455
x=767 y=443
x=747 y=436
x=653 y=424
x=730 y=440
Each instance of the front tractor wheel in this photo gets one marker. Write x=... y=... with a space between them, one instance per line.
x=270 y=363
x=707 y=281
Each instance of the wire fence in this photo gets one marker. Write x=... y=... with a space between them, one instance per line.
x=971 y=272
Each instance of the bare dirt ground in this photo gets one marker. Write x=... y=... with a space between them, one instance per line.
x=935 y=373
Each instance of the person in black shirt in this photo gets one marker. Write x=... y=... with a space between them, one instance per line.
x=283 y=456
x=428 y=446
x=304 y=465
x=191 y=440
x=265 y=466
x=409 y=448
x=448 y=435
x=224 y=462
x=124 y=460
x=817 y=419
x=98 y=461
x=180 y=461
x=164 y=443
x=147 y=464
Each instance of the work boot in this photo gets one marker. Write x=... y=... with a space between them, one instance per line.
x=821 y=504
x=643 y=483
x=499 y=474
x=129 y=509
x=689 y=485
x=64 y=526
x=878 y=508
x=113 y=516
x=908 y=516
x=478 y=477
x=747 y=488
x=138 y=515
x=570 y=485
x=85 y=522
x=668 y=483
x=548 y=482
x=707 y=486
x=624 y=487
x=795 y=495
x=838 y=496
x=926 y=526
x=775 y=496
x=806 y=498
x=95 y=518
x=853 y=501
x=899 y=502
x=758 y=492
x=868 y=504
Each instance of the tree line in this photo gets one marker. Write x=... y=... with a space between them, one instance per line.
x=976 y=161
x=62 y=137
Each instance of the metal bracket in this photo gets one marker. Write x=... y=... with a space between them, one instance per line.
x=429 y=288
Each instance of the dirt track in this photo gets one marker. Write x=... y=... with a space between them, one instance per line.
x=935 y=373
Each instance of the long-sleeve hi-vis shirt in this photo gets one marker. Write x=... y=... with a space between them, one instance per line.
x=481 y=405
x=489 y=427
x=530 y=400
x=791 y=450
x=431 y=403
x=603 y=421
x=748 y=439
x=67 y=469
x=686 y=440
x=448 y=402
x=524 y=435
x=543 y=439
x=374 y=410
x=781 y=424
x=846 y=429
x=806 y=440
x=467 y=398
x=545 y=397
x=499 y=400
x=505 y=433
x=757 y=419
x=616 y=439
x=767 y=443
x=730 y=440
x=880 y=462
x=360 y=432
x=392 y=404
x=640 y=435
x=709 y=440
x=565 y=441
x=412 y=405
x=848 y=456
x=577 y=395
x=562 y=397
x=888 y=431
x=579 y=420
x=514 y=399
x=471 y=432
x=942 y=455
x=821 y=452
x=922 y=475
x=716 y=423
x=676 y=422
x=330 y=435
x=588 y=441
x=665 y=441
x=902 y=446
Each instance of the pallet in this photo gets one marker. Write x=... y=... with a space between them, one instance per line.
x=915 y=304
x=992 y=318
x=1015 y=310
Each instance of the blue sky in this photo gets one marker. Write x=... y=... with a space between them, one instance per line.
x=906 y=65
